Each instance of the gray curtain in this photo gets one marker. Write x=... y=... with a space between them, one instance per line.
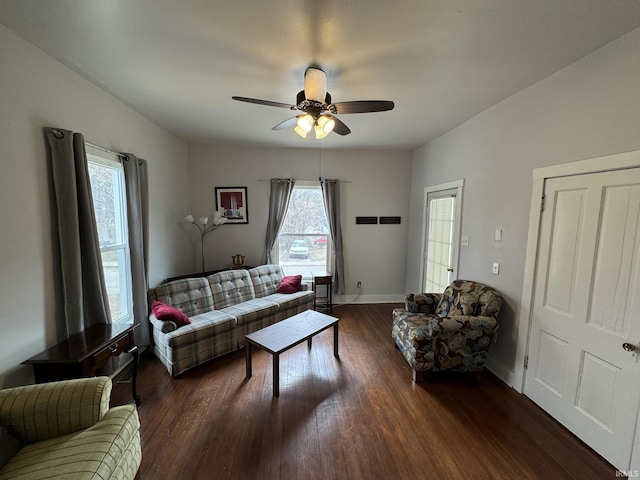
x=84 y=294
x=281 y=189
x=331 y=196
x=137 y=186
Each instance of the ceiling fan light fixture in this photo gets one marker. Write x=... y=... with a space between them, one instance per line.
x=300 y=132
x=305 y=122
x=317 y=109
x=315 y=85
x=324 y=126
x=320 y=134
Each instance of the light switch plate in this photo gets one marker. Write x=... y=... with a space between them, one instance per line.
x=497 y=235
x=496 y=268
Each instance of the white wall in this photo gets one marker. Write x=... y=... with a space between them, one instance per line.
x=589 y=109
x=374 y=254
x=37 y=91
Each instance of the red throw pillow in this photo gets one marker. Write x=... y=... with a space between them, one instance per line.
x=162 y=311
x=290 y=284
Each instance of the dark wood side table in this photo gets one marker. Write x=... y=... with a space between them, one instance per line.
x=86 y=354
x=323 y=302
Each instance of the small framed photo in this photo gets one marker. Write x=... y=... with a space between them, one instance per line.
x=231 y=203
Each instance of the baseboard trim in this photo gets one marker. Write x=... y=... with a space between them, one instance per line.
x=349 y=299
x=500 y=370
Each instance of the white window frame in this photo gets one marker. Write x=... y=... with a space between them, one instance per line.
x=125 y=281
x=306 y=275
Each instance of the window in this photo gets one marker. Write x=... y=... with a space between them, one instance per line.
x=304 y=244
x=109 y=202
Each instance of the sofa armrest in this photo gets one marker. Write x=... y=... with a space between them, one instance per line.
x=39 y=412
x=165 y=326
x=119 y=432
x=422 y=302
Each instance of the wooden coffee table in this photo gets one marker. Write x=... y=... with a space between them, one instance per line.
x=288 y=333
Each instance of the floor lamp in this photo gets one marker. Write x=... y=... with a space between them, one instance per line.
x=204 y=227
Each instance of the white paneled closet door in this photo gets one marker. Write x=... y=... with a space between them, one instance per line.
x=583 y=363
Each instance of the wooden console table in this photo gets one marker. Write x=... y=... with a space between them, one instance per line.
x=86 y=354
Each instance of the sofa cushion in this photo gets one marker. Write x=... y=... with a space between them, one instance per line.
x=162 y=311
x=191 y=296
x=290 y=284
x=289 y=302
x=464 y=297
x=252 y=310
x=266 y=279
x=231 y=287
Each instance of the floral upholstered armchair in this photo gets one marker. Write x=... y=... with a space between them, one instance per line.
x=447 y=332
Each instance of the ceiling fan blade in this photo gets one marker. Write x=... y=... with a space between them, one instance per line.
x=268 y=103
x=362 y=106
x=340 y=128
x=290 y=122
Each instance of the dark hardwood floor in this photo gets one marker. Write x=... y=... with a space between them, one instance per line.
x=360 y=417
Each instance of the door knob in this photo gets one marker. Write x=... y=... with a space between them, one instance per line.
x=629 y=347
x=449 y=269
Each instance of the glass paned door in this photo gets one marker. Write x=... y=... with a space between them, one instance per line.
x=441 y=230
x=439 y=262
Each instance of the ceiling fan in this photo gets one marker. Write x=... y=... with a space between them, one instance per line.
x=317 y=111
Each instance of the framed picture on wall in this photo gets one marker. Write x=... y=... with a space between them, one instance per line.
x=231 y=202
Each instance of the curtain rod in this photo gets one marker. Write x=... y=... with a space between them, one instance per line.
x=98 y=147
x=299 y=180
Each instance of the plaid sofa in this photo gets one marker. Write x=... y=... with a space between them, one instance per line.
x=223 y=308
x=66 y=430
x=449 y=331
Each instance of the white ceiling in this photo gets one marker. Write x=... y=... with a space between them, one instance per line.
x=441 y=61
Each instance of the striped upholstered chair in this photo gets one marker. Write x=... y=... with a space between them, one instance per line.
x=65 y=430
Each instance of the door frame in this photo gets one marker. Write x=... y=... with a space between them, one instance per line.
x=457 y=228
x=619 y=161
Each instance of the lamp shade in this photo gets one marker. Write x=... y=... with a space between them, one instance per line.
x=315 y=85
x=300 y=132
x=305 y=122
x=324 y=126
x=189 y=218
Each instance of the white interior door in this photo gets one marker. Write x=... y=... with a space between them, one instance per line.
x=441 y=232
x=586 y=307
